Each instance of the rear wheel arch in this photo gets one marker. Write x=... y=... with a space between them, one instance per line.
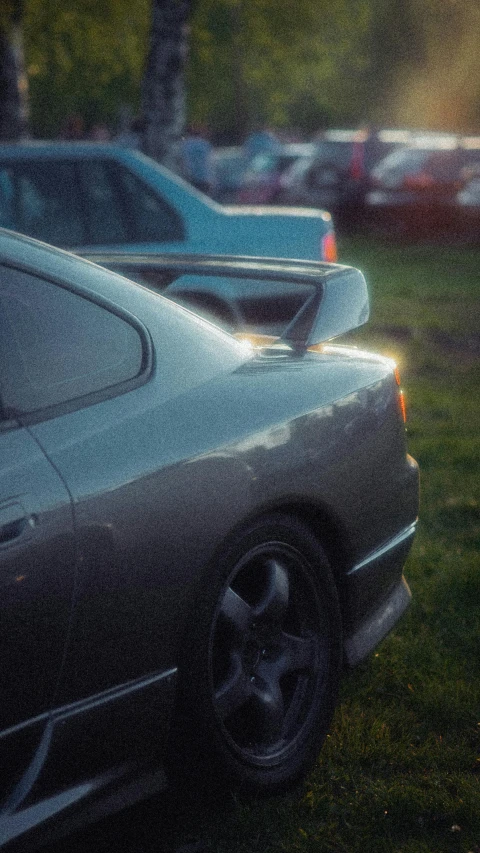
x=326 y=528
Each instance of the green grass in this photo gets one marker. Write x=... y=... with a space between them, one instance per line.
x=400 y=771
x=419 y=287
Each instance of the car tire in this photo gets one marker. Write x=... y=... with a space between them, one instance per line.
x=261 y=668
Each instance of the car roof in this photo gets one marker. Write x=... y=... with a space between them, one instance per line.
x=298 y=149
x=56 y=148
x=35 y=150
x=389 y=135
x=425 y=147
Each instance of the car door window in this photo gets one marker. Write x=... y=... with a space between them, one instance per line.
x=107 y=219
x=42 y=200
x=56 y=346
x=120 y=208
x=7 y=217
x=152 y=217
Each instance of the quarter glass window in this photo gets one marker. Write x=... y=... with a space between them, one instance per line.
x=57 y=346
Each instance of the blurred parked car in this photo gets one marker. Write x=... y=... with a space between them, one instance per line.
x=467 y=208
x=77 y=195
x=262 y=179
x=414 y=190
x=229 y=165
x=194 y=532
x=336 y=174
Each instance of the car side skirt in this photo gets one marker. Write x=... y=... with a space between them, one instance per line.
x=96 y=756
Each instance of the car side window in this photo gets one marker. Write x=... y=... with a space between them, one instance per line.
x=42 y=200
x=7 y=215
x=57 y=346
x=152 y=217
x=107 y=218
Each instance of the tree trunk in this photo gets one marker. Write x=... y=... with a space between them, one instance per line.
x=13 y=79
x=163 y=94
x=243 y=123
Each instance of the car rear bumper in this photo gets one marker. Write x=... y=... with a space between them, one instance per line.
x=377 y=595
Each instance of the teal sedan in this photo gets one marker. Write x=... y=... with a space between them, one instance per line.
x=98 y=195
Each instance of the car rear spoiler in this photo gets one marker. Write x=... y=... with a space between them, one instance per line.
x=337 y=304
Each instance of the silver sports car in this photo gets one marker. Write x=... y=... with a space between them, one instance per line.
x=197 y=532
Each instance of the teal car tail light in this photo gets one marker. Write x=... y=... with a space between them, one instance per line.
x=401 y=396
x=328 y=248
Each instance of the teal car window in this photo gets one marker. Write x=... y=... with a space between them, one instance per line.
x=107 y=220
x=56 y=346
x=7 y=219
x=42 y=200
x=152 y=219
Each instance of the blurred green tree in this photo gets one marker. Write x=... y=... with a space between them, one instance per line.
x=84 y=59
x=248 y=61
x=13 y=80
x=305 y=66
x=263 y=62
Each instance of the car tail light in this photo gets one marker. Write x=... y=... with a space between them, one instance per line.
x=328 y=248
x=357 y=166
x=401 y=396
x=418 y=181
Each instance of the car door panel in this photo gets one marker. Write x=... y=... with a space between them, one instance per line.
x=116 y=693
x=37 y=566
x=123 y=609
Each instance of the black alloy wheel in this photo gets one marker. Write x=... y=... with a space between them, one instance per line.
x=267 y=684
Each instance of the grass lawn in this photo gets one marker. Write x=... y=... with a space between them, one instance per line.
x=400 y=772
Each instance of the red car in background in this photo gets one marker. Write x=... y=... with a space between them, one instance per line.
x=415 y=191
x=336 y=175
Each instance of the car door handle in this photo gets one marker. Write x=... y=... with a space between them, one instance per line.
x=13 y=522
